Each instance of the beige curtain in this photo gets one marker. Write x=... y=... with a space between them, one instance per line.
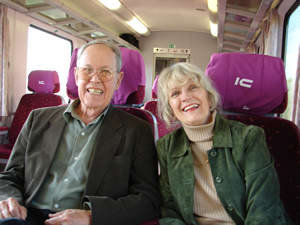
x=296 y=108
x=270 y=34
x=4 y=34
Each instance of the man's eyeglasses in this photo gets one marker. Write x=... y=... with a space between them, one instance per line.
x=104 y=74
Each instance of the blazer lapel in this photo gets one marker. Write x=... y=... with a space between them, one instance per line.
x=51 y=134
x=108 y=140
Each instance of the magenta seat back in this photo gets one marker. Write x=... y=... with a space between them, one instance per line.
x=142 y=114
x=72 y=89
x=44 y=84
x=248 y=83
x=43 y=81
x=133 y=83
x=154 y=87
x=162 y=128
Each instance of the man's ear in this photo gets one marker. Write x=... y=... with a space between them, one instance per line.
x=119 y=79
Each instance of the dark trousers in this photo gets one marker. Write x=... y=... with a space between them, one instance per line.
x=34 y=217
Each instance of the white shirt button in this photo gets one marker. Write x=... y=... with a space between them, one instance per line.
x=82 y=133
x=56 y=206
x=66 y=180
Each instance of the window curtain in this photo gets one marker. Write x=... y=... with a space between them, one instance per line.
x=270 y=34
x=4 y=34
x=296 y=108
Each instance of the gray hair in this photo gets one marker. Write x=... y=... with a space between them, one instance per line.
x=182 y=72
x=111 y=45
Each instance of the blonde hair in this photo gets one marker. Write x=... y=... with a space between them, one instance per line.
x=182 y=72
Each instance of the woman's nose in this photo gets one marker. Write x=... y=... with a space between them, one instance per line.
x=185 y=95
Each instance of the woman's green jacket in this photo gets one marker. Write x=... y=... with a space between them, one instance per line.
x=242 y=169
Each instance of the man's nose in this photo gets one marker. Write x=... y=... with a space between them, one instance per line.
x=95 y=77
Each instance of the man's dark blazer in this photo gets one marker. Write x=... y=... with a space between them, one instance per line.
x=122 y=184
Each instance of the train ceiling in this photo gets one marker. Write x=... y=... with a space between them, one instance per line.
x=238 y=20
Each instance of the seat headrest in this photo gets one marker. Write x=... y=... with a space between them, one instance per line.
x=72 y=89
x=249 y=83
x=43 y=81
x=133 y=67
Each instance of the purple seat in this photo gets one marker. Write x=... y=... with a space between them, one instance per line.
x=162 y=127
x=143 y=114
x=43 y=84
x=72 y=91
x=132 y=88
x=254 y=91
x=152 y=107
x=154 y=88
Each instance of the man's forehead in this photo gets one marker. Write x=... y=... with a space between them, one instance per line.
x=98 y=50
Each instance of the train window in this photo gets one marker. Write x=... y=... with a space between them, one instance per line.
x=291 y=60
x=47 y=51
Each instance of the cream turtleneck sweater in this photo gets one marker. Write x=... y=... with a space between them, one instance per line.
x=207 y=205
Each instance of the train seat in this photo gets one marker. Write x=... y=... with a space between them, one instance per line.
x=72 y=91
x=143 y=114
x=151 y=106
x=154 y=88
x=132 y=88
x=163 y=129
x=43 y=84
x=253 y=90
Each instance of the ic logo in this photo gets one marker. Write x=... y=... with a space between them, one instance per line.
x=243 y=82
x=41 y=82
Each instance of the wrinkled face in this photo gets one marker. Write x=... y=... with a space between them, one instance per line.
x=95 y=88
x=189 y=102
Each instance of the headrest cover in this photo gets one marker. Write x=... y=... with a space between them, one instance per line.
x=43 y=81
x=154 y=87
x=133 y=67
x=249 y=83
x=72 y=89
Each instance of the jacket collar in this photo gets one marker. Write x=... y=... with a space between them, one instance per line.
x=221 y=137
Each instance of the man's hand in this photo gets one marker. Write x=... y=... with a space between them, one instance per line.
x=70 y=217
x=11 y=208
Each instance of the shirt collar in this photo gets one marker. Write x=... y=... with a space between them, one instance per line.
x=70 y=112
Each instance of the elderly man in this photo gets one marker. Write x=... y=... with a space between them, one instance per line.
x=85 y=163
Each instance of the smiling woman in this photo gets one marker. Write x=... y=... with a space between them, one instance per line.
x=201 y=162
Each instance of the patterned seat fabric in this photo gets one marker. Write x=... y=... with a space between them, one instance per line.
x=72 y=91
x=162 y=127
x=152 y=107
x=142 y=114
x=43 y=84
x=252 y=87
x=154 y=87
